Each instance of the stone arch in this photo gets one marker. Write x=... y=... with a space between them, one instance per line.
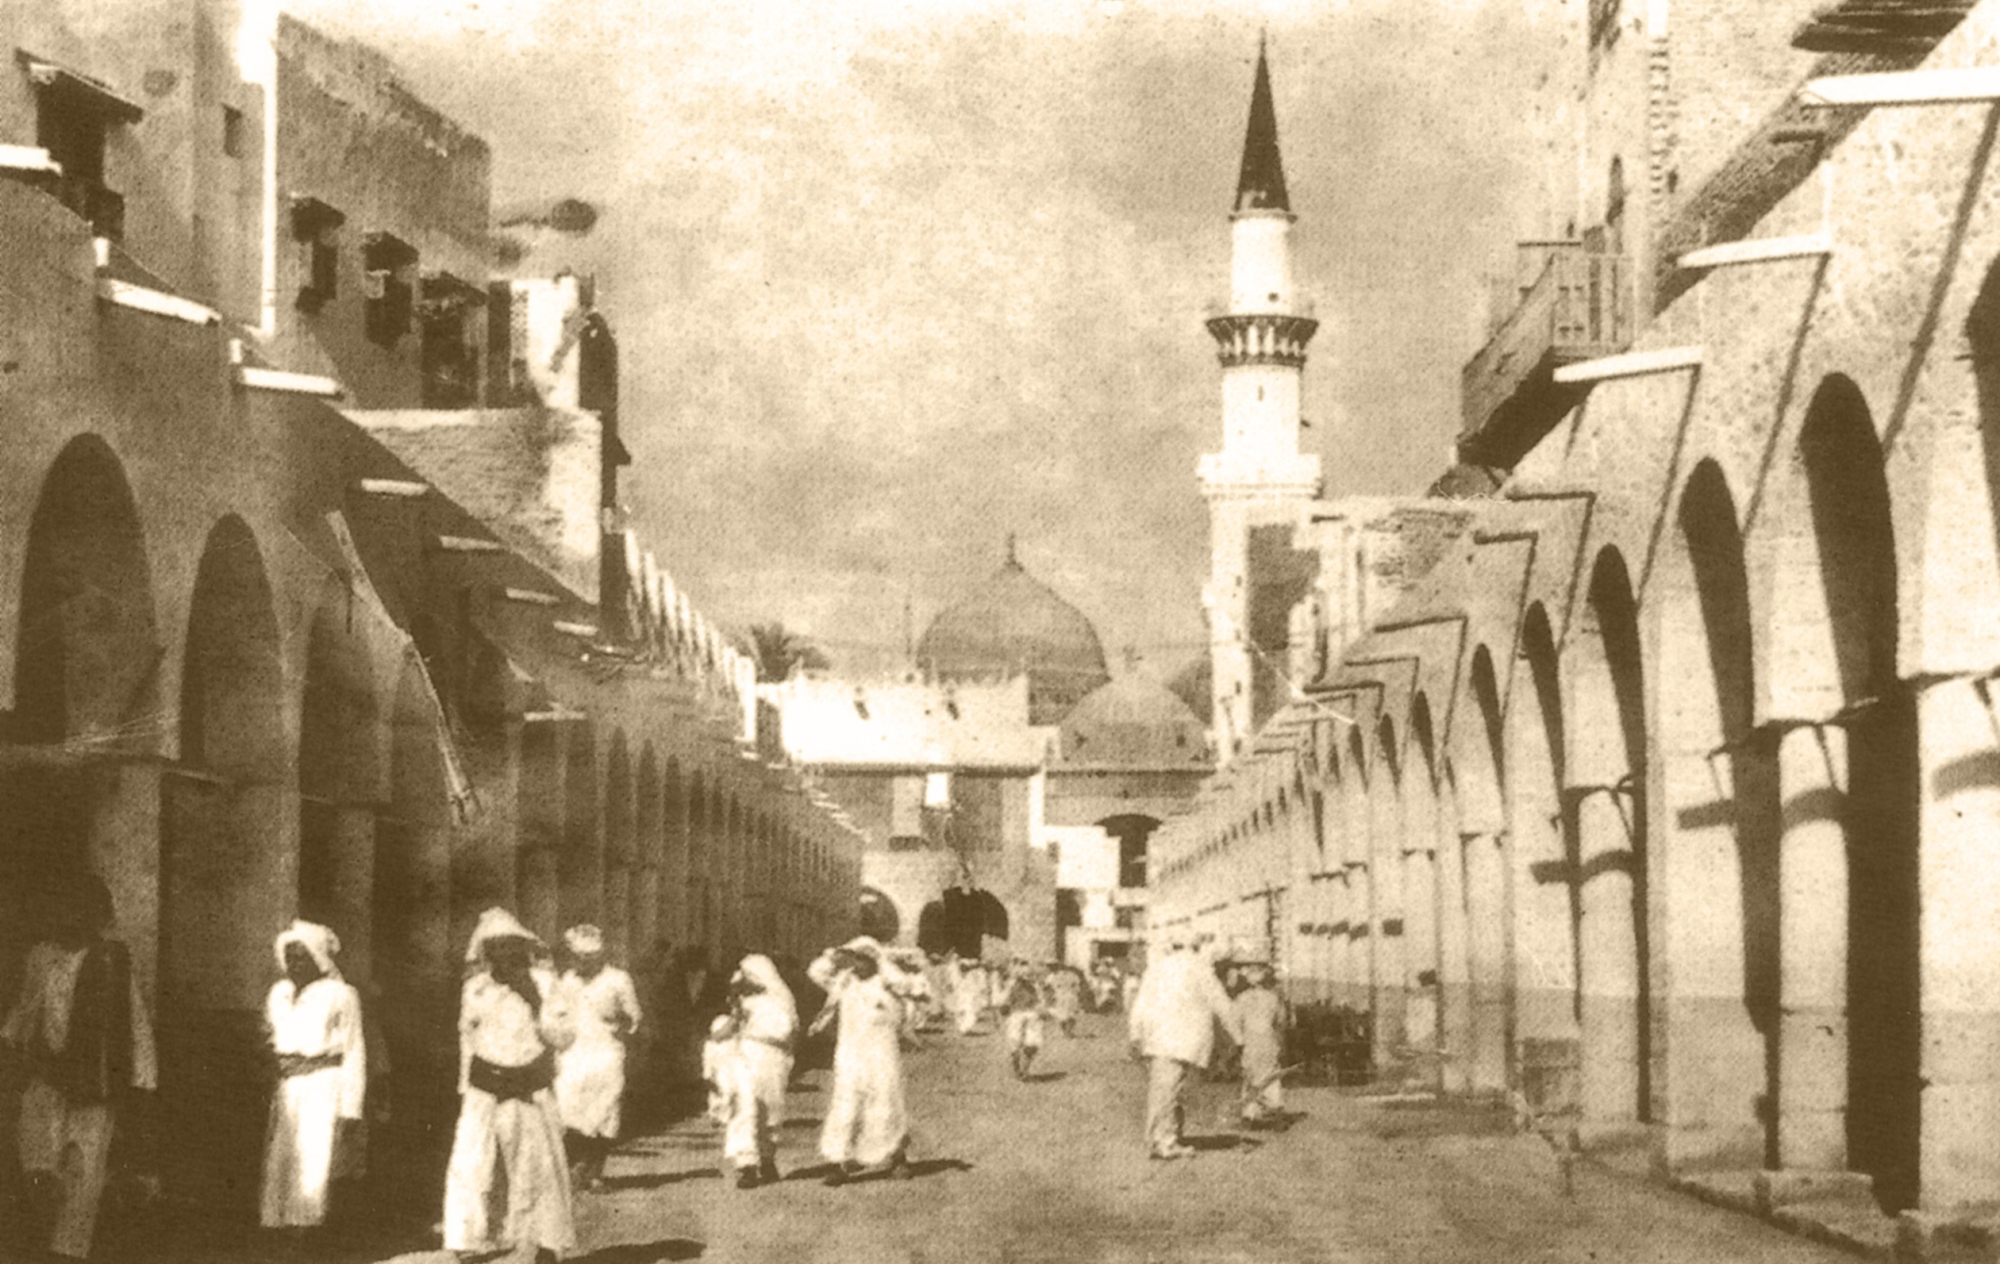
x=879 y=918
x=229 y=873
x=1424 y=886
x=1603 y=814
x=649 y=848
x=676 y=800
x=1354 y=946
x=1851 y=809
x=415 y=972
x=620 y=861
x=1389 y=954
x=87 y=692
x=339 y=785
x=1477 y=779
x=539 y=809
x=581 y=868
x=1720 y=852
x=1541 y=975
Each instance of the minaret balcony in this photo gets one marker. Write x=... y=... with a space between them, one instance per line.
x=1262 y=339
x=1576 y=306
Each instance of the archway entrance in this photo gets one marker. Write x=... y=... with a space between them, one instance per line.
x=229 y=877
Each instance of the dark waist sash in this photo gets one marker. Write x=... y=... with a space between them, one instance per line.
x=513 y=1084
x=782 y=1046
x=292 y=1065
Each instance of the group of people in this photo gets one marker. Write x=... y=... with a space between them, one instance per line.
x=1184 y=998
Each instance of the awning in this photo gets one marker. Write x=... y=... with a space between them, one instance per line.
x=79 y=91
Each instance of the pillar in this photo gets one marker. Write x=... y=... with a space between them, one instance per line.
x=1812 y=1037
x=1487 y=920
x=1608 y=957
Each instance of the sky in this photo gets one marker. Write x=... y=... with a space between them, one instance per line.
x=894 y=280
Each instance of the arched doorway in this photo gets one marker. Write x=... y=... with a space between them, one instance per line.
x=618 y=849
x=74 y=794
x=1853 y=563
x=1721 y=848
x=338 y=789
x=229 y=876
x=416 y=973
x=1604 y=813
x=1483 y=841
x=581 y=868
x=539 y=809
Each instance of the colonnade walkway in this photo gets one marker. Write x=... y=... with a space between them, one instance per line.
x=1053 y=1170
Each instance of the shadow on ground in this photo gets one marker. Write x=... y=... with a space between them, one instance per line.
x=659 y=1180
x=644 y=1253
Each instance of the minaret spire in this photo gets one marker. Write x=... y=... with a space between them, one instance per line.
x=1261 y=186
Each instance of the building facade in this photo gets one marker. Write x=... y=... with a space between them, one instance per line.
x=1664 y=796
x=291 y=622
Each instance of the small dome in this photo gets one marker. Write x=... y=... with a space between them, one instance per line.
x=1015 y=624
x=1134 y=720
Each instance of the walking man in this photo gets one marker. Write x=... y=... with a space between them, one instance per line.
x=82 y=1027
x=1023 y=1023
x=1172 y=1025
x=602 y=1006
x=866 y=1122
x=506 y=1183
x=1260 y=1014
x=766 y=1023
x=315 y=1021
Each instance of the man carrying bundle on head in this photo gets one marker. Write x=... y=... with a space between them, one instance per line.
x=506 y=1184
x=315 y=1027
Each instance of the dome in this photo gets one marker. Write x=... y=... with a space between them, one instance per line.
x=1016 y=624
x=1134 y=720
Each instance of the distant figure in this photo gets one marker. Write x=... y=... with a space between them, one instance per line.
x=1104 y=987
x=968 y=994
x=1172 y=1023
x=507 y=1184
x=1260 y=1015
x=1065 y=986
x=763 y=1025
x=1023 y=1024
x=866 y=1123
x=316 y=1032
x=82 y=1027
x=603 y=1006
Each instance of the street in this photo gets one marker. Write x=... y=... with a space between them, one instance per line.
x=1052 y=1169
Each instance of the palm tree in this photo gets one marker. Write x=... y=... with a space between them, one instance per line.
x=779 y=650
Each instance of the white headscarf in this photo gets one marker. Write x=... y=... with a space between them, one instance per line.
x=584 y=940
x=760 y=970
x=319 y=942
x=496 y=923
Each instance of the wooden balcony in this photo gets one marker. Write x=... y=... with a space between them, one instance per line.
x=1573 y=304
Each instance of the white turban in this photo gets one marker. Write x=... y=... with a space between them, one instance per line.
x=496 y=923
x=584 y=940
x=319 y=942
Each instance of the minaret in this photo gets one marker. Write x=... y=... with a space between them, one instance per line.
x=1260 y=476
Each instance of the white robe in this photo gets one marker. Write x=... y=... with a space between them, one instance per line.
x=306 y=1110
x=70 y=1140
x=507 y=1182
x=865 y=1117
x=1178 y=1007
x=590 y=1079
x=758 y=1069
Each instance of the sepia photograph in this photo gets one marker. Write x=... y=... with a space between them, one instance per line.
x=1015 y=631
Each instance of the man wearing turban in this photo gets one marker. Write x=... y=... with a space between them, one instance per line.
x=866 y=1123
x=601 y=1003
x=314 y=1017
x=506 y=1184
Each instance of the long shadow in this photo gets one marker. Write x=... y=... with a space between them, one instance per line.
x=645 y=1253
x=659 y=1180
x=802 y=1123
x=918 y=1170
x=1044 y=1077
x=1221 y=1141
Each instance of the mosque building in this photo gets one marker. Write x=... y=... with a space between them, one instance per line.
x=1007 y=785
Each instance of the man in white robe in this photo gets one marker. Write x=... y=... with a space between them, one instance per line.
x=602 y=1005
x=765 y=1025
x=83 y=1028
x=507 y=1184
x=1172 y=1022
x=866 y=1121
x=315 y=1028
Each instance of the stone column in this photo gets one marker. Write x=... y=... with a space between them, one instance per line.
x=352 y=912
x=1959 y=884
x=1608 y=952
x=1454 y=972
x=1812 y=1038
x=483 y=850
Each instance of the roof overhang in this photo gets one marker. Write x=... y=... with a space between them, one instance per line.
x=78 y=90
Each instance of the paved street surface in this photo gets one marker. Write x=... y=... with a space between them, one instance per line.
x=1053 y=1171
